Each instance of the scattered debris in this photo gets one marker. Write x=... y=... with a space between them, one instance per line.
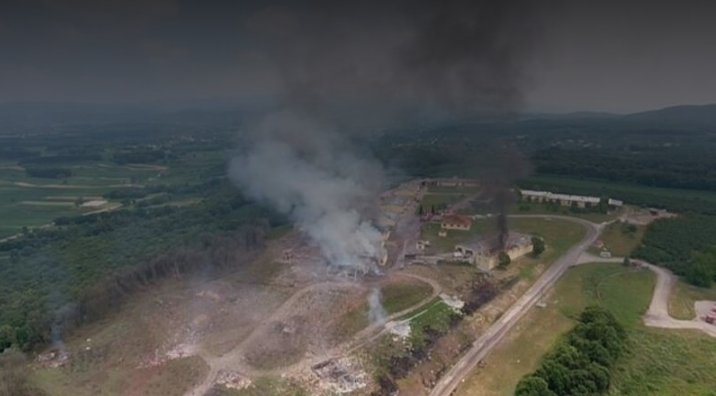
x=53 y=359
x=233 y=380
x=340 y=375
x=400 y=329
x=453 y=302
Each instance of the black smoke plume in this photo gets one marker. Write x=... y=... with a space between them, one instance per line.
x=349 y=67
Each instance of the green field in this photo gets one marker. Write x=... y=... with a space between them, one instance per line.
x=395 y=297
x=659 y=362
x=541 y=208
x=619 y=241
x=263 y=386
x=453 y=190
x=32 y=202
x=683 y=297
x=439 y=201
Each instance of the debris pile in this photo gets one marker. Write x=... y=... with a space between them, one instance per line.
x=340 y=375
x=399 y=329
x=233 y=380
x=54 y=358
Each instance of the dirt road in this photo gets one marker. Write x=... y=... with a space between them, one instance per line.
x=233 y=360
x=447 y=385
x=658 y=313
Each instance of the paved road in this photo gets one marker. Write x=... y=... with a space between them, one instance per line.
x=447 y=385
x=658 y=313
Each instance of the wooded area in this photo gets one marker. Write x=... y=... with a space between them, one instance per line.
x=580 y=363
x=56 y=279
x=685 y=245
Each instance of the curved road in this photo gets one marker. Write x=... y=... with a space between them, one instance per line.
x=658 y=313
x=447 y=385
x=232 y=359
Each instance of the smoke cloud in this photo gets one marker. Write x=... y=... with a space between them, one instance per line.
x=376 y=312
x=347 y=68
x=302 y=170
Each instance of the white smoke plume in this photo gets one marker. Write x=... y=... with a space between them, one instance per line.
x=304 y=170
x=376 y=312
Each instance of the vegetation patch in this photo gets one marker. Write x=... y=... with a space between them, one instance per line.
x=621 y=239
x=262 y=386
x=684 y=245
x=580 y=364
x=683 y=296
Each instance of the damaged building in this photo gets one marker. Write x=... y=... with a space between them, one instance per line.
x=483 y=252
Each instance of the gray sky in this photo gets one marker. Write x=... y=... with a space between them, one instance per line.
x=587 y=55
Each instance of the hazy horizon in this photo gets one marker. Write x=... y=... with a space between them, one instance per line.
x=575 y=56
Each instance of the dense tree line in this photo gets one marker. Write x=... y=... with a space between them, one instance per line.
x=682 y=170
x=139 y=157
x=58 y=279
x=579 y=364
x=49 y=173
x=684 y=245
x=17 y=153
x=59 y=159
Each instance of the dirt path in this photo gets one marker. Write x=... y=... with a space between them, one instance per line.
x=233 y=361
x=658 y=313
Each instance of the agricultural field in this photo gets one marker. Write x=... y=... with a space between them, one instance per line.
x=88 y=171
x=658 y=362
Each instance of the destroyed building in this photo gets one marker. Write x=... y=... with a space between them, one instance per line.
x=483 y=252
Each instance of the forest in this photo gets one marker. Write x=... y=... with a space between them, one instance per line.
x=56 y=279
x=580 y=363
x=685 y=245
x=685 y=169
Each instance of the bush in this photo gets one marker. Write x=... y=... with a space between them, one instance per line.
x=537 y=246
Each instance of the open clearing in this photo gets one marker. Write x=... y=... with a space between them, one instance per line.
x=619 y=241
x=185 y=334
x=660 y=362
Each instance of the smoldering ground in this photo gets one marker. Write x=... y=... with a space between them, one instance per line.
x=351 y=68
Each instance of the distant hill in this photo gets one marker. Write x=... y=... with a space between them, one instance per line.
x=685 y=114
x=53 y=113
x=222 y=111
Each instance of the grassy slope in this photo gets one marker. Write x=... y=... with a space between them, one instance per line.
x=659 y=362
x=396 y=296
x=540 y=208
x=620 y=243
x=683 y=297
